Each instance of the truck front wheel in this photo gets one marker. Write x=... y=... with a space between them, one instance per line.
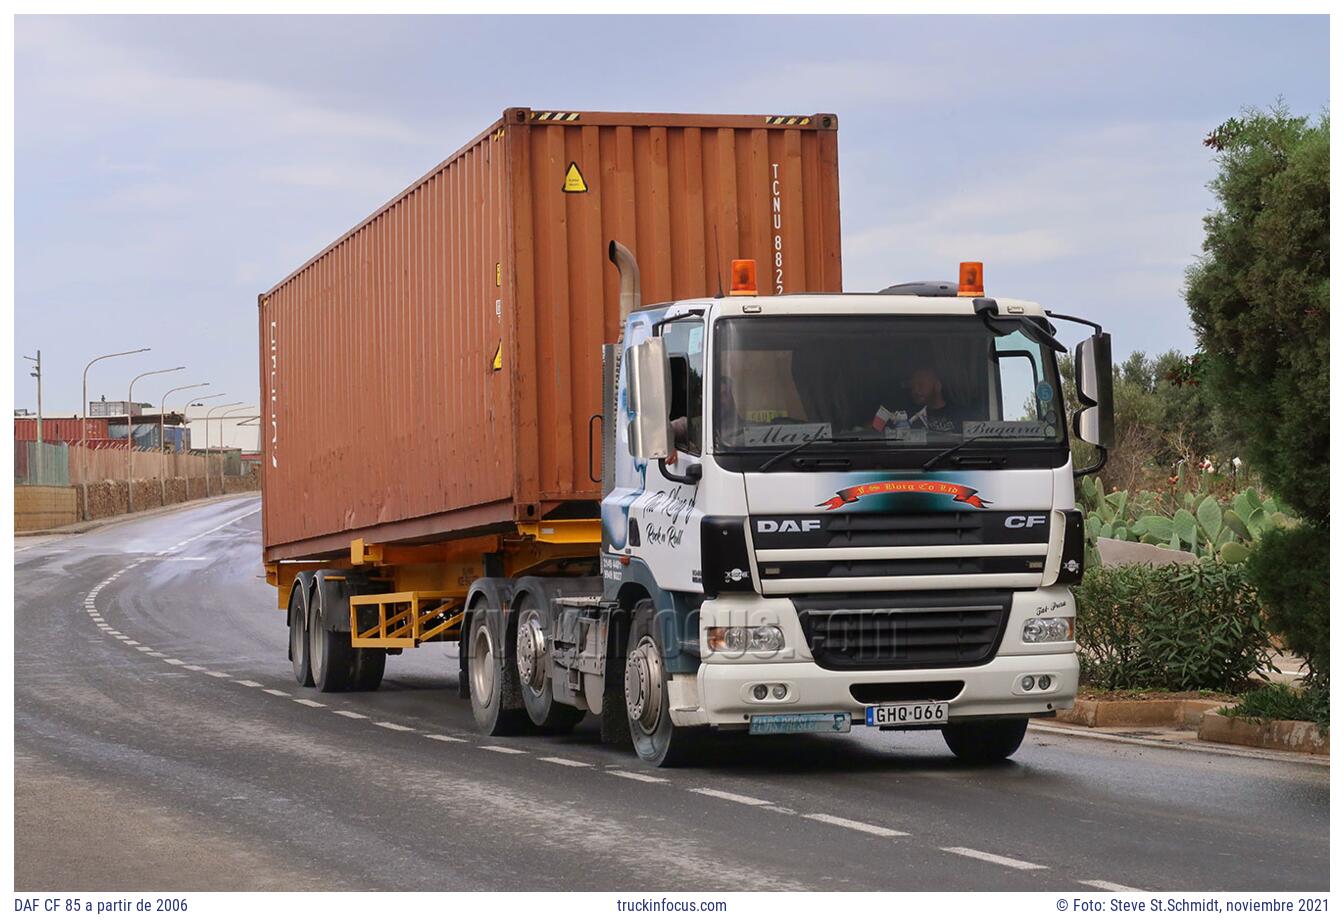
x=985 y=742
x=657 y=741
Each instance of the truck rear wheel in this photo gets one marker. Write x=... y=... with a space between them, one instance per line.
x=657 y=741
x=535 y=630
x=329 y=652
x=985 y=742
x=370 y=663
x=298 y=634
x=493 y=676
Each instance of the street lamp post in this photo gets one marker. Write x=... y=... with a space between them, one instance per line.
x=163 y=453
x=196 y=404
x=207 y=439
x=84 y=423
x=221 y=419
x=130 y=431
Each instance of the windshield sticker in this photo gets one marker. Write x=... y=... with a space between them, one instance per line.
x=958 y=492
x=1044 y=391
x=1001 y=429
x=784 y=434
x=695 y=340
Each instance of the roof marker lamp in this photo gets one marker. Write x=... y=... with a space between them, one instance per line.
x=972 y=283
x=744 y=278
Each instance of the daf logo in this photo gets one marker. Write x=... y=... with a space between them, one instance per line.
x=788 y=526
x=1023 y=520
x=734 y=575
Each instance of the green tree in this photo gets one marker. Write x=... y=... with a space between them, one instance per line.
x=1260 y=299
x=1260 y=302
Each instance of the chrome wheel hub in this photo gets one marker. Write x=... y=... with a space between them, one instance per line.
x=644 y=685
x=483 y=666
x=531 y=651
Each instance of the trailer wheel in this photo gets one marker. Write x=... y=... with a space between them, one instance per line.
x=298 y=635
x=985 y=742
x=493 y=676
x=329 y=652
x=369 y=666
x=657 y=741
x=535 y=629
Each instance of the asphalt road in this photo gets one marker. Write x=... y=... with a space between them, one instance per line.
x=162 y=744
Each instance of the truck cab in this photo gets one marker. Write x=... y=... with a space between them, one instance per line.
x=824 y=511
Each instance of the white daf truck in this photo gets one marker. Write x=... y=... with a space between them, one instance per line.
x=821 y=513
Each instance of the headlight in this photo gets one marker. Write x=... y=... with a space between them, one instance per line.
x=1048 y=629
x=744 y=638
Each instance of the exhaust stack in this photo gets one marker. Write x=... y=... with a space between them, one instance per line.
x=625 y=263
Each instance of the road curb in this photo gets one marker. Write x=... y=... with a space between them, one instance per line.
x=86 y=526
x=1190 y=746
x=1274 y=734
x=1173 y=713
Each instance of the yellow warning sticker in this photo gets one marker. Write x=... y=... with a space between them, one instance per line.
x=574 y=179
x=498 y=362
x=499 y=274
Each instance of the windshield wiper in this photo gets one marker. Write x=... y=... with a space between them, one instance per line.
x=951 y=450
x=794 y=448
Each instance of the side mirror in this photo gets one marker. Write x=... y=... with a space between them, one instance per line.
x=649 y=378
x=1095 y=421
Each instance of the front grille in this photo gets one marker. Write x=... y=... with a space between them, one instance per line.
x=927 y=629
x=896 y=568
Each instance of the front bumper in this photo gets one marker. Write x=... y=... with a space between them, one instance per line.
x=720 y=693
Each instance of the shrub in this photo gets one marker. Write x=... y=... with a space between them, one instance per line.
x=1189 y=627
x=1291 y=573
x=1278 y=701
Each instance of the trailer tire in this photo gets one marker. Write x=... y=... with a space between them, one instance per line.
x=298 y=634
x=657 y=741
x=330 y=654
x=370 y=663
x=985 y=742
x=536 y=630
x=493 y=675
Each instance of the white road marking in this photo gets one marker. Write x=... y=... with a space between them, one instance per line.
x=642 y=777
x=393 y=726
x=164 y=557
x=1105 y=886
x=173 y=661
x=562 y=761
x=194 y=667
x=348 y=714
x=731 y=797
x=274 y=692
x=500 y=749
x=313 y=703
x=218 y=674
x=162 y=655
x=780 y=808
x=247 y=683
x=856 y=825
x=447 y=738
x=992 y=858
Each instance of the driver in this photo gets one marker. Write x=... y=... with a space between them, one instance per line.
x=930 y=407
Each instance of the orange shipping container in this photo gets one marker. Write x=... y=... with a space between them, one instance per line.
x=434 y=371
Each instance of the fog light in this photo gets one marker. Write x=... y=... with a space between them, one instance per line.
x=1028 y=682
x=780 y=691
x=1048 y=629
x=760 y=691
x=1044 y=682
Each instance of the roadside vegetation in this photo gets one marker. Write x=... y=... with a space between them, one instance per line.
x=1225 y=454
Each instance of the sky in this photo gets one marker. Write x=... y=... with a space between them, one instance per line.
x=169 y=169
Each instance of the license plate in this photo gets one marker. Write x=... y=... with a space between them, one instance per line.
x=906 y=714
x=784 y=723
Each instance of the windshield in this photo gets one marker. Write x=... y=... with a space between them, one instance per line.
x=900 y=382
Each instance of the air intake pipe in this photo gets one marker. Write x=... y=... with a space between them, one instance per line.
x=625 y=263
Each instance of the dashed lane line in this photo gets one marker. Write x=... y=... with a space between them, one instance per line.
x=394 y=727
x=311 y=703
x=1105 y=885
x=500 y=749
x=274 y=692
x=348 y=714
x=731 y=797
x=642 y=777
x=447 y=738
x=993 y=858
x=247 y=683
x=873 y=829
x=562 y=761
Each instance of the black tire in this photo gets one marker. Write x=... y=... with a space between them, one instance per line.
x=656 y=740
x=330 y=655
x=535 y=631
x=493 y=676
x=985 y=742
x=298 y=634
x=370 y=663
